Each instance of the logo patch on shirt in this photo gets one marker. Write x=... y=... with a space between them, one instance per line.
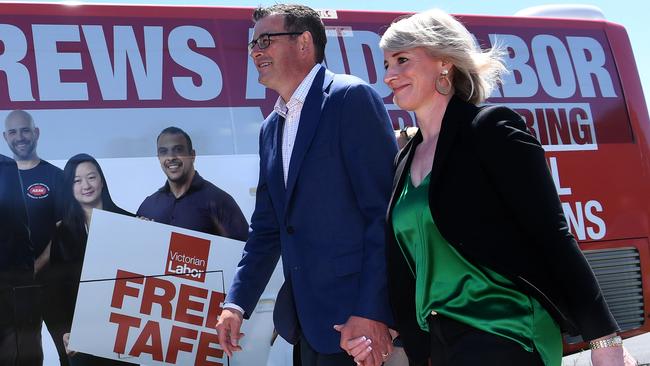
x=38 y=191
x=188 y=257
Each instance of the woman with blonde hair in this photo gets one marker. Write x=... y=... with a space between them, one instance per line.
x=482 y=267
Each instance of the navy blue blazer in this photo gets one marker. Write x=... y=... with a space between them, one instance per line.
x=328 y=223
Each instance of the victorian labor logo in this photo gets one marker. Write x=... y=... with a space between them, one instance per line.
x=188 y=257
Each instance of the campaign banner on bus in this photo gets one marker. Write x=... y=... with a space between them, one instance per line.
x=108 y=78
x=150 y=293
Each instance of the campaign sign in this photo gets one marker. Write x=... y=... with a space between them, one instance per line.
x=151 y=293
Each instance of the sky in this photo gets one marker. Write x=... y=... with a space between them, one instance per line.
x=629 y=13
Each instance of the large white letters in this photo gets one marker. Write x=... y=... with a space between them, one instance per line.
x=15 y=49
x=50 y=62
x=180 y=52
x=546 y=49
x=581 y=49
x=354 y=47
x=517 y=63
x=112 y=80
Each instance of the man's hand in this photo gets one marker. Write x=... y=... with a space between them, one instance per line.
x=377 y=332
x=228 y=327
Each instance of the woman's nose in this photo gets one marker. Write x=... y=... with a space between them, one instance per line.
x=389 y=76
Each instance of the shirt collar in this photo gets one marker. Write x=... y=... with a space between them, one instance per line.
x=196 y=184
x=299 y=95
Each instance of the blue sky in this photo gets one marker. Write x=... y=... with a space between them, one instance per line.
x=631 y=14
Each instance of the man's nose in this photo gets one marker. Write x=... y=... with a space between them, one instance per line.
x=256 y=51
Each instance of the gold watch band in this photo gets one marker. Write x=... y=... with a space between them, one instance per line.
x=615 y=341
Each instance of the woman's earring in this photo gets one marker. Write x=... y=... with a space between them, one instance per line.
x=443 y=84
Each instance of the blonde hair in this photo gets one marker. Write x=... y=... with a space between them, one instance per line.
x=476 y=73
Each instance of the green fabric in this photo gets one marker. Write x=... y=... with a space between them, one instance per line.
x=447 y=283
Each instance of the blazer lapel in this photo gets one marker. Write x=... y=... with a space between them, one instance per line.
x=309 y=119
x=401 y=171
x=456 y=112
x=275 y=175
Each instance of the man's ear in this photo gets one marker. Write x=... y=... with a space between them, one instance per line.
x=306 y=41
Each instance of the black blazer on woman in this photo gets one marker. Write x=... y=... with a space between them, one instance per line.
x=493 y=199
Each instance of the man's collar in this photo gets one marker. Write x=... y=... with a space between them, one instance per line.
x=28 y=164
x=299 y=95
x=196 y=184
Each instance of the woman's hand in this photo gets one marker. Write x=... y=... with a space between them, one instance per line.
x=612 y=356
x=66 y=341
x=43 y=259
x=360 y=349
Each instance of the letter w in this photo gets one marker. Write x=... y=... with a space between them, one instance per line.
x=111 y=74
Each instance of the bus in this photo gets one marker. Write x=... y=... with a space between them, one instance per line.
x=106 y=79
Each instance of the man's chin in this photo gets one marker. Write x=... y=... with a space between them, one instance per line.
x=22 y=154
x=178 y=179
x=264 y=80
x=19 y=155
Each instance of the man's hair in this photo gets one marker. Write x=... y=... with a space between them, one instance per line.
x=176 y=131
x=22 y=114
x=298 y=18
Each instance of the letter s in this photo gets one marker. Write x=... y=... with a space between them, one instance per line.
x=182 y=54
x=590 y=207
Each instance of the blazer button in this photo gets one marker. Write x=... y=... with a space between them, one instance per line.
x=289 y=229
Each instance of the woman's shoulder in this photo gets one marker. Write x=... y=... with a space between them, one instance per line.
x=497 y=127
x=493 y=116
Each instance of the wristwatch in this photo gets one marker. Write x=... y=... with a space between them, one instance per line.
x=615 y=341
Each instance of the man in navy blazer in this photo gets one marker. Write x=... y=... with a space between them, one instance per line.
x=326 y=157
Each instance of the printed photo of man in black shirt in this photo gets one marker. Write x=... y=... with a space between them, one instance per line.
x=20 y=326
x=41 y=182
x=187 y=200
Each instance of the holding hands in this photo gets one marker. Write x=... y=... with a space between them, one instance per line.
x=368 y=341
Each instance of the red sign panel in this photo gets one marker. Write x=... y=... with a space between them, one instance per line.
x=188 y=256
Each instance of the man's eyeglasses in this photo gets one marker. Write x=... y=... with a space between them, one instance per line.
x=264 y=40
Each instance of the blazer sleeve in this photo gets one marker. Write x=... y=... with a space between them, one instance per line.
x=516 y=163
x=368 y=151
x=261 y=252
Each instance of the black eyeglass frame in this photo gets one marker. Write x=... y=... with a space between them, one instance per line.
x=266 y=43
